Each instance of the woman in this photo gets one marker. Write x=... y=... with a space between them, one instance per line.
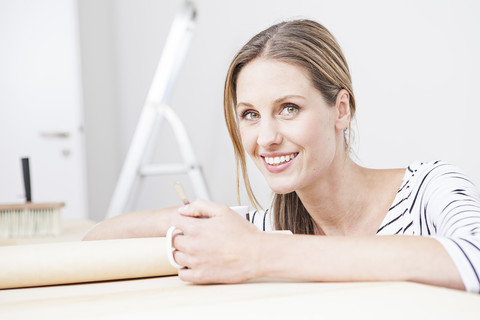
x=288 y=104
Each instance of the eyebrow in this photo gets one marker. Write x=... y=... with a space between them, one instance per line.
x=289 y=96
x=246 y=104
x=276 y=101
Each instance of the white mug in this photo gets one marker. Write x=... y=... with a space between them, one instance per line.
x=241 y=210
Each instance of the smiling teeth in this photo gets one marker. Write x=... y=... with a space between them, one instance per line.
x=279 y=160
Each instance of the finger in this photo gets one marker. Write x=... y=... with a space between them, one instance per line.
x=177 y=232
x=181 y=258
x=176 y=235
x=188 y=225
x=198 y=275
x=184 y=243
x=186 y=275
x=203 y=208
x=191 y=275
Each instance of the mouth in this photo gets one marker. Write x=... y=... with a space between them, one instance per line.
x=279 y=160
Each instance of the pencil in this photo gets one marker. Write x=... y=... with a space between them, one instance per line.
x=181 y=193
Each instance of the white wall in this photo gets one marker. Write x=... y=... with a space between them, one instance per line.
x=414 y=66
x=99 y=78
x=41 y=110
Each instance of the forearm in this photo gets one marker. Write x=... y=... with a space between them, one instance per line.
x=150 y=223
x=376 y=258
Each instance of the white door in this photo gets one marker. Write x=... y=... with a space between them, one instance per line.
x=41 y=104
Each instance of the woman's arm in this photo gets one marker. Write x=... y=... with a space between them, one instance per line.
x=225 y=248
x=373 y=258
x=151 y=223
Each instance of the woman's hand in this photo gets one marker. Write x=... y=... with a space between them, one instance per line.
x=217 y=245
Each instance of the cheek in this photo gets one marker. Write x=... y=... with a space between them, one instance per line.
x=248 y=140
x=317 y=139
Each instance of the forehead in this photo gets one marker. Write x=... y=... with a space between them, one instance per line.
x=269 y=78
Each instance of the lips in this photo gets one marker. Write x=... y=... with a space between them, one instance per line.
x=274 y=161
x=278 y=163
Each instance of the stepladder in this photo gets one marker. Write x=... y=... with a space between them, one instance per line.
x=157 y=113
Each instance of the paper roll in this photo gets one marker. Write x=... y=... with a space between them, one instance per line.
x=82 y=261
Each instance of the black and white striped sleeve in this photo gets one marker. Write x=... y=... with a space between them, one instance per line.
x=263 y=220
x=451 y=214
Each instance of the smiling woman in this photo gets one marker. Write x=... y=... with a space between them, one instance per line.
x=288 y=104
x=289 y=126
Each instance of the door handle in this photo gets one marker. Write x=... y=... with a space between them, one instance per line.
x=55 y=134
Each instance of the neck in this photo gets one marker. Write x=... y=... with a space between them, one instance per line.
x=341 y=204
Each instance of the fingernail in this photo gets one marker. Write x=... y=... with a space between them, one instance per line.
x=184 y=209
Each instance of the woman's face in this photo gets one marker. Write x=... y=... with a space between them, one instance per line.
x=285 y=124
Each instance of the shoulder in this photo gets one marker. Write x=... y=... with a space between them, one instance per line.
x=439 y=180
x=441 y=192
x=426 y=167
x=436 y=174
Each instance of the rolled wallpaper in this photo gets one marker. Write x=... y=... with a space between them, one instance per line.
x=82 y=261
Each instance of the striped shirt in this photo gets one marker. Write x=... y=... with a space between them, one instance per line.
x=435 y=199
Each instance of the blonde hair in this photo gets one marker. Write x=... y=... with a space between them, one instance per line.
x=309 y=45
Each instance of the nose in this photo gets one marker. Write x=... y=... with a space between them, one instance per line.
x=268 y=133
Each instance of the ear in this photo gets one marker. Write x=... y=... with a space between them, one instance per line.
x=342 y=106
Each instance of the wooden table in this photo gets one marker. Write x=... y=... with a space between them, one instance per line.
x=164 y=297
x=169 y=297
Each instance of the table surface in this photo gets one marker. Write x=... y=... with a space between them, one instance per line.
x=159 y=297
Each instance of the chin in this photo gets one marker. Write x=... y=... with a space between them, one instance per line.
x=279 y=189
x=281 y=184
